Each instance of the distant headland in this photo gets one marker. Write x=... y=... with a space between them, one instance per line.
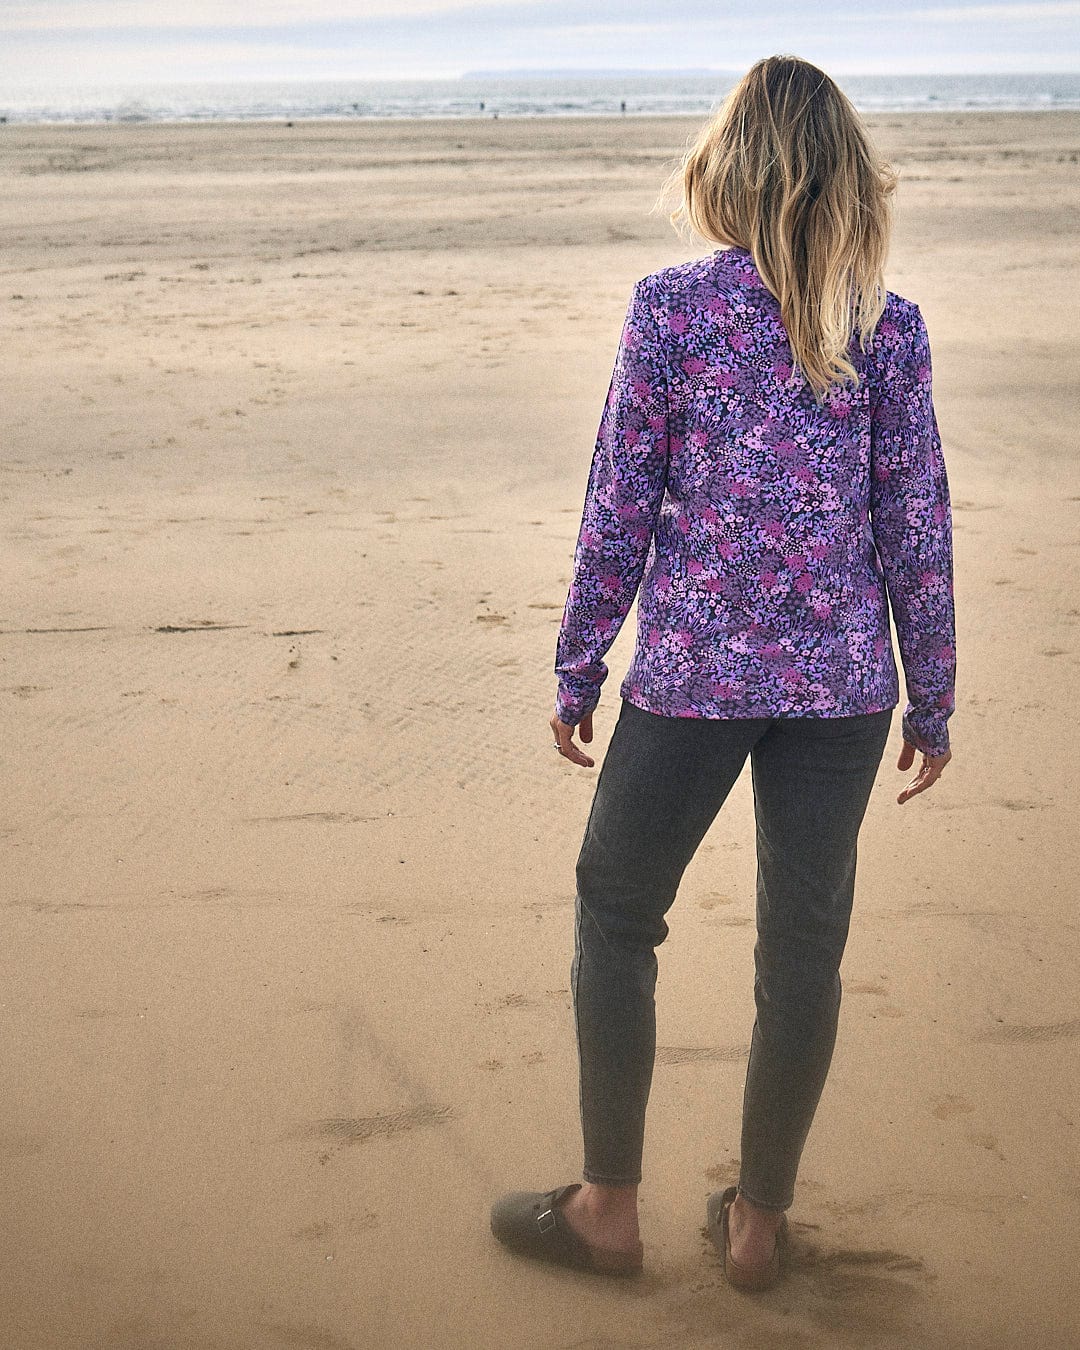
x=554 y=74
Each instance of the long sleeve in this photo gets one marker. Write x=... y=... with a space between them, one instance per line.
x=625 y=490
x=911 y=518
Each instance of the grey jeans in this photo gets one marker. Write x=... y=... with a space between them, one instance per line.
x=661 y=784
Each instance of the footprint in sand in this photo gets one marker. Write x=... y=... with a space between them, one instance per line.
x=945 y=1108
x=322 y=1231
x=305 y=1336
x=852 y=1295
x=984 y=1139
x=318 y=817
x=96 y=628
x=21 y=1145
x=867 y=1293
x=505 y=1001
x=205 y=627
x=701 y=1054
x=1005 y=1033
x=359 y=1129
x=722 y=1175
x=713 y=900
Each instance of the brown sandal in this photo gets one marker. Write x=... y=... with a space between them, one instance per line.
x=742 y=1277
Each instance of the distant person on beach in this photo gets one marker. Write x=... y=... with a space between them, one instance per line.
x=769 y=471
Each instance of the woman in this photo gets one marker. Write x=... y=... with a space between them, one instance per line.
x=768 y=468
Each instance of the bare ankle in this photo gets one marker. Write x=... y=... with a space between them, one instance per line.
x=757 y=1215
x=605 y=1199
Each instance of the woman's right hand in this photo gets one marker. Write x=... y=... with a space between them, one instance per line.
x=930 y=772
x=564 y=739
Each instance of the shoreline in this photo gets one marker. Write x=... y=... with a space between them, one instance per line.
x=170 y=123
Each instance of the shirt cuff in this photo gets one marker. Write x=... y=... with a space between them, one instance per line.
x=570 y=710
x=931 y=741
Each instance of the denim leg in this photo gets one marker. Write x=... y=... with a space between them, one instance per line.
x=661 y=784
x=812 y=780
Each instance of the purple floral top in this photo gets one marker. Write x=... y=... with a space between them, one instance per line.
x=762 y=529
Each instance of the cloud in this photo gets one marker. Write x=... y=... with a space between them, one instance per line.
x=290 y=17
x=149 y=40
x=45 y=15
x=995 y=13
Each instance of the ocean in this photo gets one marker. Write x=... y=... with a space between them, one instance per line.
x=501 y=95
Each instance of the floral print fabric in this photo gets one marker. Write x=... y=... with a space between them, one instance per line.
x=767 y=534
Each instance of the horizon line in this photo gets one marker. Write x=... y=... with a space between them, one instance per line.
x=523 y=72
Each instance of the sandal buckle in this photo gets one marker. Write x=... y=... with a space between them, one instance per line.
x=546 y=1221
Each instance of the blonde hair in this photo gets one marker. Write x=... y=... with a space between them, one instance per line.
x=786 y=169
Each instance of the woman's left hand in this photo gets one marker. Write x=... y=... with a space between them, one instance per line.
x=928 y=775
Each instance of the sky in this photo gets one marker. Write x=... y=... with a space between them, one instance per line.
x=134 y=41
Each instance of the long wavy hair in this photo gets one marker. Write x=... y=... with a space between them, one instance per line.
x=786 y=169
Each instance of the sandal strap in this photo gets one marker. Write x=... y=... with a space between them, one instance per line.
x=547 y=1209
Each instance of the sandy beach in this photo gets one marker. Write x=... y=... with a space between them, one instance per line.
x=296 y=429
